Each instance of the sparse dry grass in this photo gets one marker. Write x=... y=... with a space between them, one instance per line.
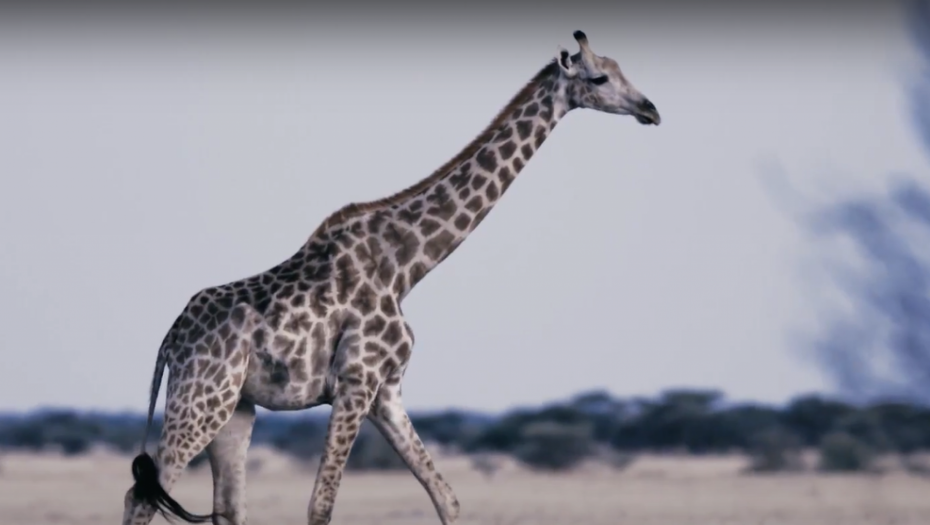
x=38 y=490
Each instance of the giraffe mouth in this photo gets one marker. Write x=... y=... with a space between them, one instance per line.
x=645 y=118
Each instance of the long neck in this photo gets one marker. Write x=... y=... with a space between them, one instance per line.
x=452 y=202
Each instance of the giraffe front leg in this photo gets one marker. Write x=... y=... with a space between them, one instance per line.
x=227 y=454
x=350 y=407
x=390 y=417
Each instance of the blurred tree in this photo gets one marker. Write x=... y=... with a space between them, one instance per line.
x=302 y=438
x=554 y=446
x=603 y=411
x=811 y=417
x=774 y=450
x=840 y=452
x=448 y=428
x=741 y=427
x=371 y=451
x=506 y=434
x=679 y=419
x=905 y=427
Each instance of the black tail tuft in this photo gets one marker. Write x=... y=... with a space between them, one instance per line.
x=149 y=490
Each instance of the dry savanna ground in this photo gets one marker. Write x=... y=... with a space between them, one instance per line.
x=45 y=489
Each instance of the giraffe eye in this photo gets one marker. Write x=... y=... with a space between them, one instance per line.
x=597 y=81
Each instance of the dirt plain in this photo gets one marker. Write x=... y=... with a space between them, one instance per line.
x=47 y=489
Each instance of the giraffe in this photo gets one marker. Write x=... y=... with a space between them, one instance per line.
x=326 y=326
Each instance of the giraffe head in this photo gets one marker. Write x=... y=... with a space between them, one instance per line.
x=596 y=82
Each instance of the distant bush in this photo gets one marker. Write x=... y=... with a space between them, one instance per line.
x=303 y=439
x=508 y=433
x=917 y=466
x=811 y=417
x=372 y=451
x=905 y=428
x=25 y=436
x=123 y=440
x=61 y=430
x=74 y=445
x=841 y=452
x=548 y=445
x=865 y=427
x=485 y=464
x=774 y=450
x=450 y=429
x=604 y=454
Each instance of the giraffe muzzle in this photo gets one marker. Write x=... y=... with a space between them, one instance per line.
x=646 y=113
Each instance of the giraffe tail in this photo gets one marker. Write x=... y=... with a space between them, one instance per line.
x=147 y=487
x=157 y=376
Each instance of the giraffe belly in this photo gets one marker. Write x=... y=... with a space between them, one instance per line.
x=289 y=371
x=286 y=397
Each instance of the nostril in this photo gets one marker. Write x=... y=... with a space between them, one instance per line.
x=648 y=105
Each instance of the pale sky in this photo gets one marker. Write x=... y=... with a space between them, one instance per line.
x=136 y=171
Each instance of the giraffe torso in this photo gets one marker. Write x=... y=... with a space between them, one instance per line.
x=322 y=313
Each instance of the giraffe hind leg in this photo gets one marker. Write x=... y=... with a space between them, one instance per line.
x=150 y=490
x=185 y=434
x=227 y=454
x=201 y=399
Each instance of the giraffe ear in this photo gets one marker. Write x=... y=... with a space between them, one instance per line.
x=564 y=59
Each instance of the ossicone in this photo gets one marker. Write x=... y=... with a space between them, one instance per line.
x=586 y=53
